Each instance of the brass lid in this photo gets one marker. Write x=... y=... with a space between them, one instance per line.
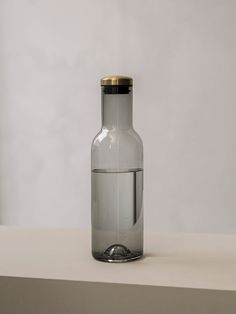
x=116 y=80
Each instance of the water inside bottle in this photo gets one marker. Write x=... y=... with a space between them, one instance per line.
x=117 y=214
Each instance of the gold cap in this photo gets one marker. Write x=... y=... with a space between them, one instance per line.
x=116 y=80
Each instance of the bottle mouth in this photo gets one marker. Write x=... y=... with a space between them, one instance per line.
x=117 y=89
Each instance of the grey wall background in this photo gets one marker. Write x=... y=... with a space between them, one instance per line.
x=182 y=57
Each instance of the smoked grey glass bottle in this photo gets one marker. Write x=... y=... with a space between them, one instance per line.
x=117 y=177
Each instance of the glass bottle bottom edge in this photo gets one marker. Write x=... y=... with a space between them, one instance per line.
x=101 y=257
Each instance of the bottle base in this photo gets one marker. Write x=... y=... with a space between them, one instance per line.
x=117 y=253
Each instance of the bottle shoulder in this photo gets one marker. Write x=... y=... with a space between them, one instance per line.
x=117 y=149
x=137 y=136
x=117 y=136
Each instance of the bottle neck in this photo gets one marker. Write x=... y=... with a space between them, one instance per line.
x=117 y=110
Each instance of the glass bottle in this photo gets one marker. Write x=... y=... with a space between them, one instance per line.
x=117 y=177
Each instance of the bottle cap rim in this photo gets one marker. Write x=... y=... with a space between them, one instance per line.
x=116 y=80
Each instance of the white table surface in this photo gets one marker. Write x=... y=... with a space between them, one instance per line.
x=205 y=261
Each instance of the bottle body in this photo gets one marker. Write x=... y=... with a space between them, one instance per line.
x=117 y=181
